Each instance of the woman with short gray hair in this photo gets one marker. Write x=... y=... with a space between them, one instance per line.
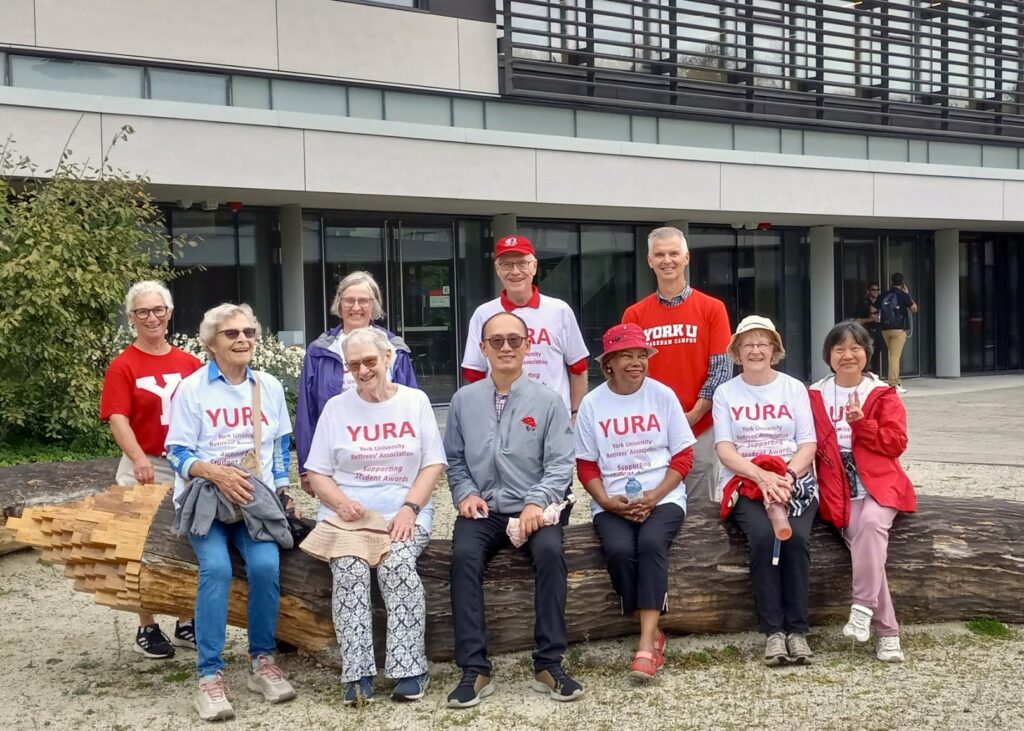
x=230 y=427
x=357 y=303
x=136 y=400
x=377 y=454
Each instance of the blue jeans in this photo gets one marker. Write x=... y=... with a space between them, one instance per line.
x=262 y=565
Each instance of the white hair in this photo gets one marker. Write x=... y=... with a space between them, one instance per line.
x=665 y=232
x=359 y=277
x=368 y=335
x=214 y=316
x=141 y=289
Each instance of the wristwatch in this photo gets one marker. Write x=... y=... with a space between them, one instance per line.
x=412 y=506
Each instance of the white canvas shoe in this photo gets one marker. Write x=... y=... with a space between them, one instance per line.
x=888 y=650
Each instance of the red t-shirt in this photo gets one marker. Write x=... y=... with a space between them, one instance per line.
x=686 y=337
x=139 y=385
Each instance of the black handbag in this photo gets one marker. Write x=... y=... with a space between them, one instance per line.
x=298 y=528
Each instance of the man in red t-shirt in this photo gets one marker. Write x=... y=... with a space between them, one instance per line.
x=691 y=331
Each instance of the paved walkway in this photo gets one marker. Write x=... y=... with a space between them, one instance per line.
x=973 y=420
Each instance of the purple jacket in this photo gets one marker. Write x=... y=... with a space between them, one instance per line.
x=322 y=374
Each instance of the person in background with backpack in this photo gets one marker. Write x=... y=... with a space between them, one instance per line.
x=894 y=311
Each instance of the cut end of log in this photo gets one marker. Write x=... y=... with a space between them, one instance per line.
x=99 y=540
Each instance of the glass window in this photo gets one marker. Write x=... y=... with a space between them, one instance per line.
x=257 y=240
x=250 y=91
x=303 y=96
x=558 y=251
x=188 y=86
x=607 y=283
x=313 y=278
x=77 y=76
x=212 y=274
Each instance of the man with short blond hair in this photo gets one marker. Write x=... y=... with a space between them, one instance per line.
x=691 y=331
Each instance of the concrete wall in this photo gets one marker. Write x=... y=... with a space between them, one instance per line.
x=491 y=172
x=317 y=37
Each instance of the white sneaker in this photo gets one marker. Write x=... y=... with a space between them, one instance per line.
x=212 y=698
x=858 y=626
x=900 y=389
x=888 y=650
x=266 y=678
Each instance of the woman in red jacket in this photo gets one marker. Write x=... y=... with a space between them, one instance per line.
x=862 y=431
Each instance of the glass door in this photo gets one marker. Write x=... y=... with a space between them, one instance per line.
x=870 y=257
x=423 y=303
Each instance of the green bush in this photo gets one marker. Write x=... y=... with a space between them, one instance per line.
x=71 y=244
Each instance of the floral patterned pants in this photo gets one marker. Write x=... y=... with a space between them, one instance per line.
x=402 y=590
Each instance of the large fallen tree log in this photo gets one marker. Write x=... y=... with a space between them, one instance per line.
x=955 y=559
x=36 y=484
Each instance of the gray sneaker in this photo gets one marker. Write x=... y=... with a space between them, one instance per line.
x=775 y=649
x=799 y=651
x=266 y=678
x=211 y=700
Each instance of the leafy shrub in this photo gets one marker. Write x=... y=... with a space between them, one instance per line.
x=71 y=244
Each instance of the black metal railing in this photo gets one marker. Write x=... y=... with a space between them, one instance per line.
x=950 y=69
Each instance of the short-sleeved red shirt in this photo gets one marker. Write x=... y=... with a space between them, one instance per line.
x=139 y=386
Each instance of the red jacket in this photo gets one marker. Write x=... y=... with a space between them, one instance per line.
x=879 y=438
x=746 y=487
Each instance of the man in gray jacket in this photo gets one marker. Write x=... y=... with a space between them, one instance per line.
x=510 y=453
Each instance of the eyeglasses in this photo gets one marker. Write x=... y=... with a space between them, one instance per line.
x=356 y=301
x=750 y=347
x=369 y=361
x=522 y=265
x=233 y=333
x=875 y=289
x=498 y=341
x=143 y=313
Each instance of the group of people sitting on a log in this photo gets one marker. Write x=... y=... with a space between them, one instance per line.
x=669 y=423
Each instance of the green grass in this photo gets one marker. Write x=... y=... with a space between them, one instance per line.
x=988 y=627
x=17 y=450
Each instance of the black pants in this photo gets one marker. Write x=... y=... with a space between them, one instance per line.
x=637 y=555
x=474 y=544
x=878 y=348
x=780 y=591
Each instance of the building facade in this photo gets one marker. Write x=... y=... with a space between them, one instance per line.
x=808 y=148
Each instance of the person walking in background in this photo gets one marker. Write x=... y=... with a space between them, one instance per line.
x=866 y=314
x=510 y=454
x=633 y=449
x=690 y=331
x=861 y=428
x=136 y=402
x=357 y=303
x=894 y=310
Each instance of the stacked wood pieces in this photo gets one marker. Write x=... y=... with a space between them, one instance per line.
x=7 y=542
x=99 y=540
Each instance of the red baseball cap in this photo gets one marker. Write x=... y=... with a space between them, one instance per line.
x=513 y=244
x=623 y=337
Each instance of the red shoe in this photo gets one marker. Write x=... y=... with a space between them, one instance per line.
x=643 y=666
x=659 y=649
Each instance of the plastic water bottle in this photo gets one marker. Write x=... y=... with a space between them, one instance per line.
x=634 y=490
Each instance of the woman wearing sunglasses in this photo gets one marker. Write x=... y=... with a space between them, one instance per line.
x=136 y=403
x=377 y=450
x=633 y=449
x=357 y=303
x=216 y=414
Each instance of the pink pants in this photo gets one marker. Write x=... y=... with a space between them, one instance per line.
x=867 y=536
